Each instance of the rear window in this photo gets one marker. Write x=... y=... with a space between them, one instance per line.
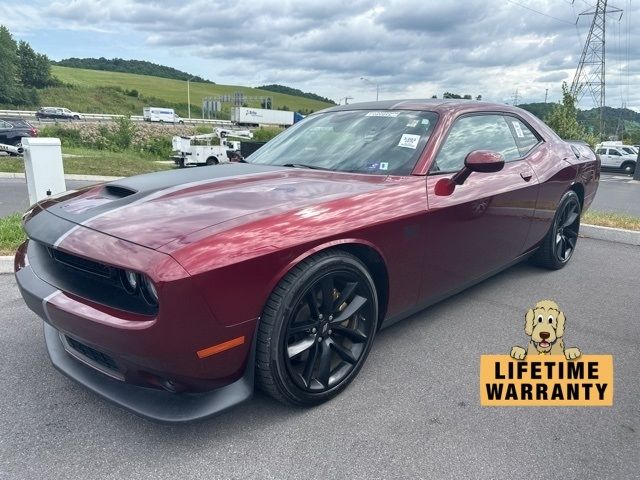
x=17 y=122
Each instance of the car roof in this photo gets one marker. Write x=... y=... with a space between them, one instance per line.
x=432 y=104
x=15 y=120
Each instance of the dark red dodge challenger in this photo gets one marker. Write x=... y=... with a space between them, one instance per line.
x=174 y=293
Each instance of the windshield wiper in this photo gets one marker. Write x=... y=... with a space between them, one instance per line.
x=304 y=165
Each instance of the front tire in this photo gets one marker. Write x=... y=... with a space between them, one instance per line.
x=317 y=329
x=560 y=242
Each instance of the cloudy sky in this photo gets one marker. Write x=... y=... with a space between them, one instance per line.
x=410 y=48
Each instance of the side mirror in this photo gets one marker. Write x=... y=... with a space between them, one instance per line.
x=482 y=161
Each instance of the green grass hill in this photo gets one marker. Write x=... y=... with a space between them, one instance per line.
x=96 y=91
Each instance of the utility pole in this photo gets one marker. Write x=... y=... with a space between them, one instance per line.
x=546 y=92
x=590 y=74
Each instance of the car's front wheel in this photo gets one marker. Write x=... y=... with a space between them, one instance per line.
x=316 y=329
x=560 y=242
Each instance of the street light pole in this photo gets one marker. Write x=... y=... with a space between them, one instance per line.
x=372 y=83
x=189 y=98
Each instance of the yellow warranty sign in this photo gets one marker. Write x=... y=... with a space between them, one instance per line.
x=546 y=380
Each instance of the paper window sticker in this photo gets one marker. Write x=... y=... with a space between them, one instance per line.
x=412 y=123
x=518 y=129
x=382 y=114
x=384 y=165
x=409 y=141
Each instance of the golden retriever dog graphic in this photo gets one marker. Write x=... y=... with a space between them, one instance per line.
x=544 y=323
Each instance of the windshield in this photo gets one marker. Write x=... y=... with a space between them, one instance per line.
x=383 y=142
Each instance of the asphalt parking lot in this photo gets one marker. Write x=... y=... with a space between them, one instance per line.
x=413 y=412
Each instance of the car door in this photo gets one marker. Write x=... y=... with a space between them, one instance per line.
x=614 y=158
x=483 y=224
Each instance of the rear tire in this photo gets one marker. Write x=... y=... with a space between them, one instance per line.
x=628 y=168
x=559 y=243
x=212 y=161
x=317 y=329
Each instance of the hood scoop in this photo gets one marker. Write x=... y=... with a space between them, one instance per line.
x=117 y=191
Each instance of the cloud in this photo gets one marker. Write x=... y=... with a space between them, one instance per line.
x=481 y=47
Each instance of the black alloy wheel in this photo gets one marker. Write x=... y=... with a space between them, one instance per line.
x=558 y=246
x=566 y=228
x=317 y=330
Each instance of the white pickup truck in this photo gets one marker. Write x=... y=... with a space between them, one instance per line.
x=615 y=156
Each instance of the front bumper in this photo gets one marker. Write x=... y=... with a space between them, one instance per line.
x=68 y=317
x=150 y=403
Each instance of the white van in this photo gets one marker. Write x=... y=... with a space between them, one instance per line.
x=162 y=115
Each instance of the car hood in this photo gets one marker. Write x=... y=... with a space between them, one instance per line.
x=155 y=209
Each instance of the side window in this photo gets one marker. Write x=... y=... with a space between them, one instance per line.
x=601 y=151
x=614 y=152
x=525 y=138
x=478 y=132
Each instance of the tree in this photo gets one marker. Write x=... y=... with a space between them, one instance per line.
x=564 y=119
x=8 y=62
x=34 y=68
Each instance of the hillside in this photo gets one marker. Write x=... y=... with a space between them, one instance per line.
x=141 y=67
x=614 y=118
x=95 y=91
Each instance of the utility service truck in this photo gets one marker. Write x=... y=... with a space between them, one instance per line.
x=198 y=149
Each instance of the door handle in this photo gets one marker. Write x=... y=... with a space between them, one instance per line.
x=526 y=175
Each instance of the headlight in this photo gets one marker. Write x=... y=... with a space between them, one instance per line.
x=149 y=290
x=130 y=281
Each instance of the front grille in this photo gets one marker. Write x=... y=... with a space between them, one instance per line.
x=80 y=263
x=92 y=357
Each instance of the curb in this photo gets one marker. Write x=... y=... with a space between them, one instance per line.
x=6 y=264
x=618 y=235
x=71 y=176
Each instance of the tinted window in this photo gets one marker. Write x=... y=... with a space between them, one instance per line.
x=614 y=152
x=4 y=125
x=525 y=138
x=601 y=151
x=480 y=132
x=377 y=142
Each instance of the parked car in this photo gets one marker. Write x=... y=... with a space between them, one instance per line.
x=617 y=158
x=174 y=293
x=57 y=113
x=13 y=130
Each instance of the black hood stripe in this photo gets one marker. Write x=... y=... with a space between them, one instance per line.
x=151 y=186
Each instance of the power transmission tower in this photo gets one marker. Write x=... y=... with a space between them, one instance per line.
x=590 y=74
x=515 y=98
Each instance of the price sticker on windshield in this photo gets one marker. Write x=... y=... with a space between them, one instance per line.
x=409 y=141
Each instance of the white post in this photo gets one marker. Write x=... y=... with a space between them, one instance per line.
x=43 y=167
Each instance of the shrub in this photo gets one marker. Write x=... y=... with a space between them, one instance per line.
x=68 y=136
x=156 y=146
x=264 y=134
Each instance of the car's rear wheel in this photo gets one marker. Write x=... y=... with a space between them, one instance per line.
x=628 y=167
x=560 y=242
x=316 y=329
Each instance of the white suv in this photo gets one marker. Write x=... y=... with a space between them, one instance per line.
x=616 y=157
